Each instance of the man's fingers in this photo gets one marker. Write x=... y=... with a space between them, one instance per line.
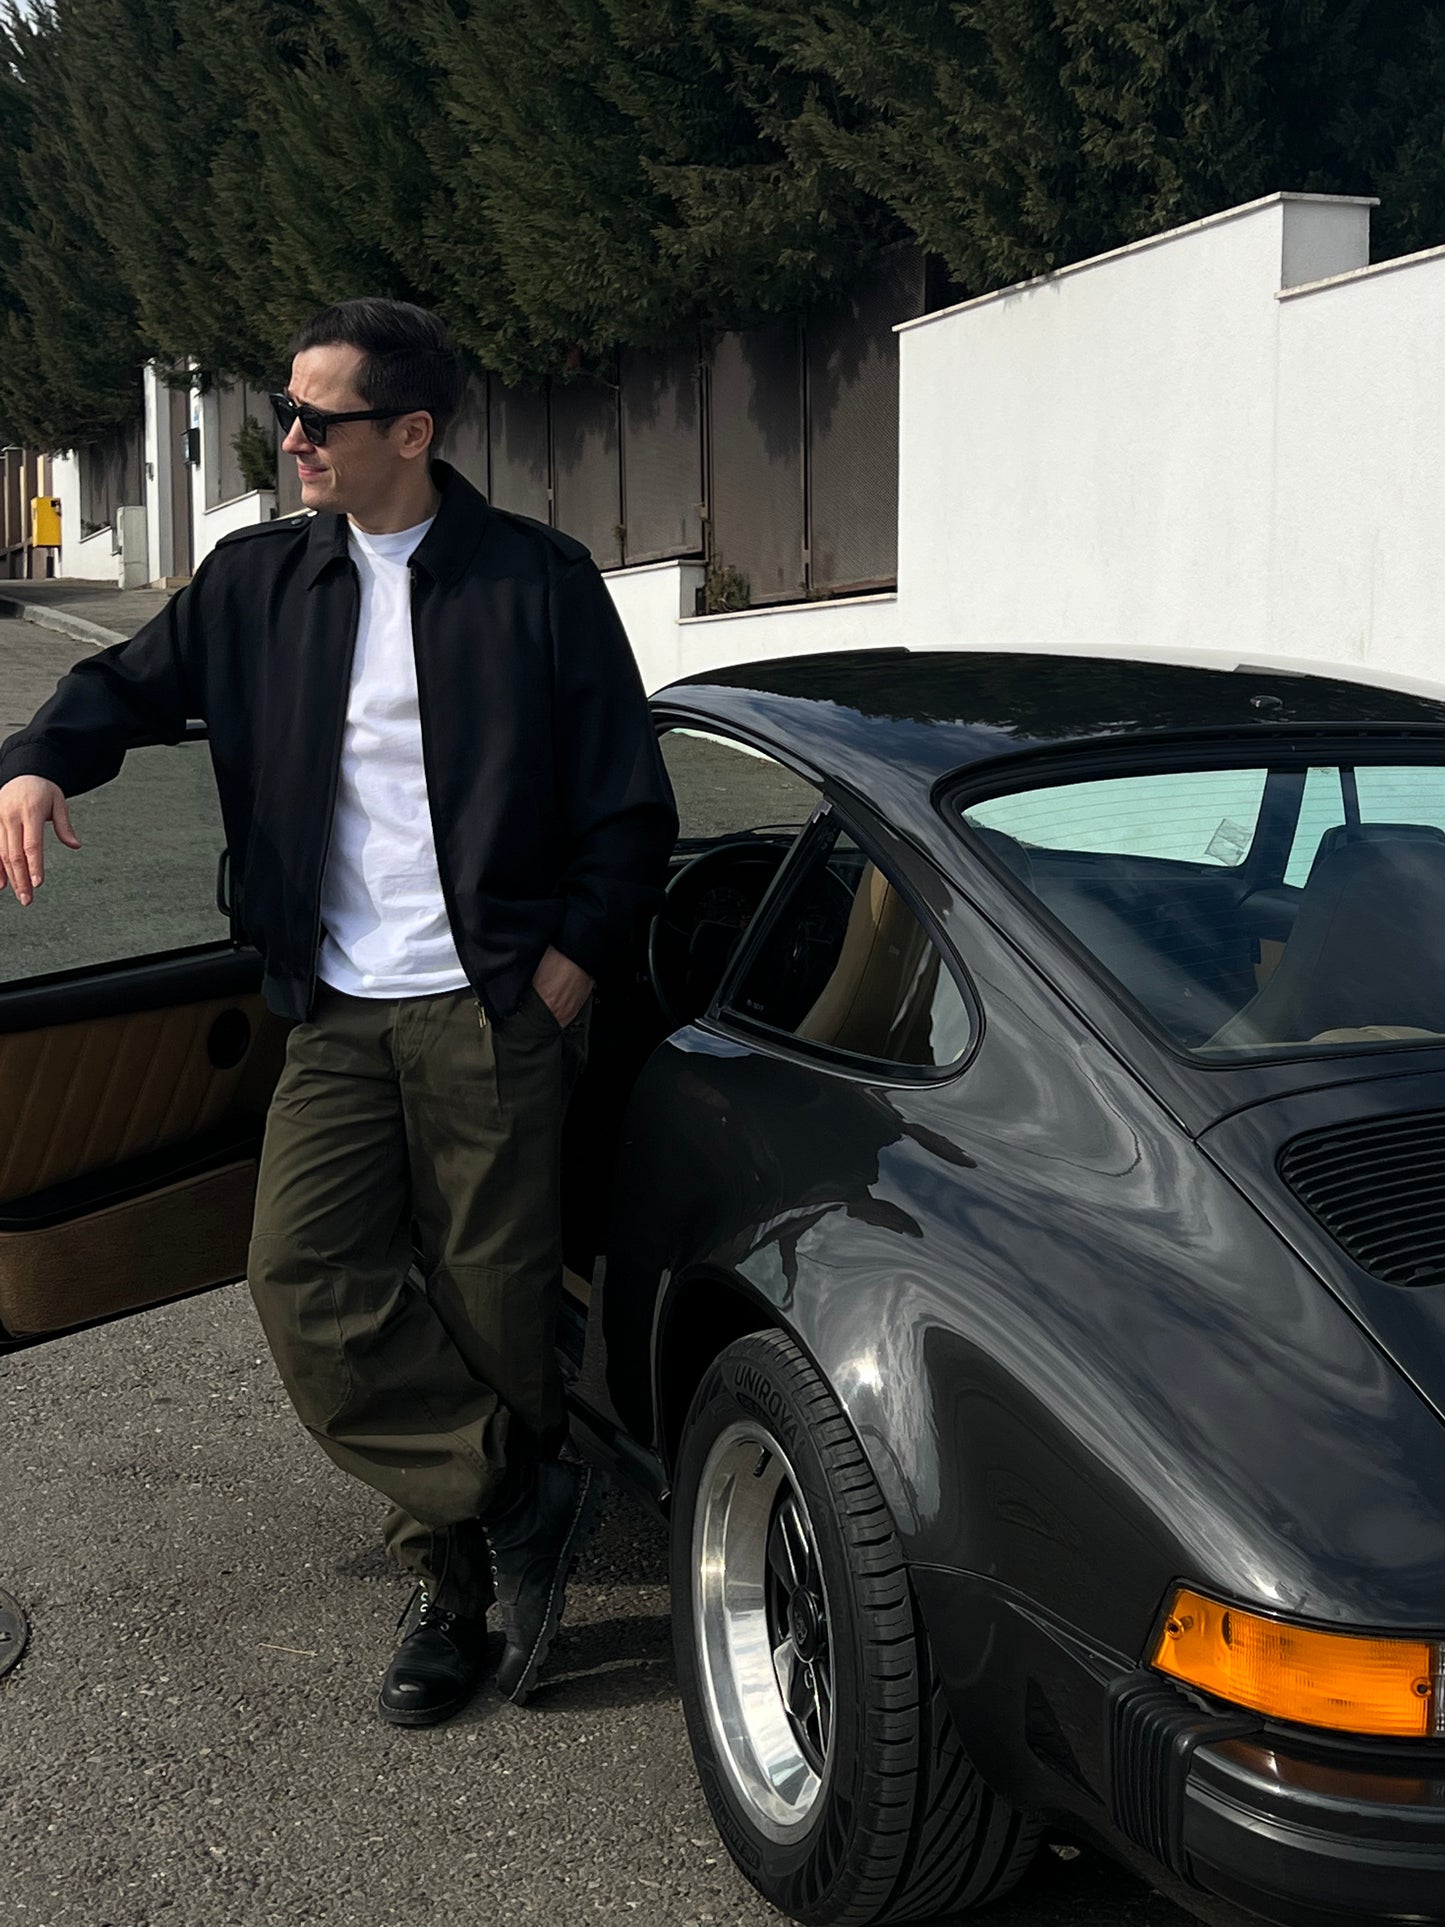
x=13 y=856
x=27 y=804
x=62 y=826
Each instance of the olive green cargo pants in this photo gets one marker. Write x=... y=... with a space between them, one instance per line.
x=406 y=1258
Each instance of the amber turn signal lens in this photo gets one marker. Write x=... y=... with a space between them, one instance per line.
x=1349 y=1681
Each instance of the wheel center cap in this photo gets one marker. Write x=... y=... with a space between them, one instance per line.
x=804 y=1624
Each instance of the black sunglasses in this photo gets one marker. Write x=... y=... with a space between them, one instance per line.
x=316 y=422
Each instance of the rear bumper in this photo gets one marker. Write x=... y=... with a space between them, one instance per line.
x=1312 y=1844
x=1301 y=1834
x=1199 y=1798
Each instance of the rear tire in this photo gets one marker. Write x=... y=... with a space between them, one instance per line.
x=821 y=1736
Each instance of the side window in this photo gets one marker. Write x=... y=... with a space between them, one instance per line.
x=142 y=881
x=739 y=814
x=726 y=789
x=847 y=965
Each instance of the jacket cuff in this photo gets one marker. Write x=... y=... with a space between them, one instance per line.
x=24 y=761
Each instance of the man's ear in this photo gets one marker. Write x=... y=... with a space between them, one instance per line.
x=416 y=435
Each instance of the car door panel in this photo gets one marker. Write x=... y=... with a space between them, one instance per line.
x=85 y=1096
x=136 y=1059
x=172 y=1239
x=134 y=1096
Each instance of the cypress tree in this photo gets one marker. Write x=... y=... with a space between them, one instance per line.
x=350 y=142
x=1010 y=136
x=614 y=159
x=161 y=122
x=70 y=353
x=1013 y=136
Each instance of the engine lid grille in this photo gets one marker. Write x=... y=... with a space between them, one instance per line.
x=1377 y=1185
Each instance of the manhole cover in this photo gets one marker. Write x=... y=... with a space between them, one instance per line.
x=14 y=1631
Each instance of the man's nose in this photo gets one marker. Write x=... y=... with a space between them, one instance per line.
x=295 y=442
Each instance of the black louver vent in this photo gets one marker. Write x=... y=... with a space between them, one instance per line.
x=1378 y=1186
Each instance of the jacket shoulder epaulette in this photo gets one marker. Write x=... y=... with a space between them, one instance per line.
x=291 y=524
x=568 y=546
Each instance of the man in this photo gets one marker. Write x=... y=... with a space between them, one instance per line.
x=447 y=814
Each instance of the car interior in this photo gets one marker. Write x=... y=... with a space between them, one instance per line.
x=1312 y=938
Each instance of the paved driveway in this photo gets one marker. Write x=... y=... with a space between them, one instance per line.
x=191 y=1741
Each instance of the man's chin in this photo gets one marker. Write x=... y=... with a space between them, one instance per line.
x=315 y=490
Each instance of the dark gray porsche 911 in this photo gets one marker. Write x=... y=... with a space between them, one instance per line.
x=1006 y=1235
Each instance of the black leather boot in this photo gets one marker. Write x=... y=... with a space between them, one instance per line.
x=436 y=1667
x=534 y=1548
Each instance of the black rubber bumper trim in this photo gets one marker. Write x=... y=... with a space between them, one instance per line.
x=1368 y=1846
x=1154 y=1731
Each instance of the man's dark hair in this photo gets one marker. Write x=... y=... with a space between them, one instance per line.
x=410 y=361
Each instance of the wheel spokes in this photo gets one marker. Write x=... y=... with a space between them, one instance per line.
x=785 y=1667
x=788 y=1548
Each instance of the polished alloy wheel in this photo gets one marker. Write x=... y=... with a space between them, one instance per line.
x=761 y=1614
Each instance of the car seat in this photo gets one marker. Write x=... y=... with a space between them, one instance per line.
x=879 y=1000
x=1364 y=953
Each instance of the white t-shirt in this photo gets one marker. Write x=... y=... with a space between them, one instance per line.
x=384 y=924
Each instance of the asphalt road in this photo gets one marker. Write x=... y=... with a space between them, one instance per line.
x=191 y=1738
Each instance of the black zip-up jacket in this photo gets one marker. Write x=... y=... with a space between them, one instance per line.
x=550 y=805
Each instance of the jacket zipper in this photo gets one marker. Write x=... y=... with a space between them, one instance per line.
x=426 y=764
x=335 y=780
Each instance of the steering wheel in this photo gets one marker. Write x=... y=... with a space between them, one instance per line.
x=709 y=903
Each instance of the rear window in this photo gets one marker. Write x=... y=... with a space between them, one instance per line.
x=1258 y=911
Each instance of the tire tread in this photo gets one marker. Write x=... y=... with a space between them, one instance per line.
x=942 y=1842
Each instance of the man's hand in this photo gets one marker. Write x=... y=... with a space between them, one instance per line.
x=27 y=804
x=563 y=986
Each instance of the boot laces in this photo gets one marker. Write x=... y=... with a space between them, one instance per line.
x=428 y=1612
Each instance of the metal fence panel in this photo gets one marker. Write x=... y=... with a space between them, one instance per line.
x=233 y=406
x=662 y=448
x=756 y=427
x=587 y=467
x=465 y=443
x=518 y=449
x=110 y=475
x=852 y=361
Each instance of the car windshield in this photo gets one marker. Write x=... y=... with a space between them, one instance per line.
x=1260 y=911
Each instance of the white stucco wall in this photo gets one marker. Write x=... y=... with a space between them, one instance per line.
x=1090 y=458
x=801 y=629
x=90 y=558
x=1358 y=571
x=242 y=512
x=651 y=599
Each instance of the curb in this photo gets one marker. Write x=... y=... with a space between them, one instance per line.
x=76 y=627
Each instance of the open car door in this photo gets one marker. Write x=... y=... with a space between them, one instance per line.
x=136 y=1060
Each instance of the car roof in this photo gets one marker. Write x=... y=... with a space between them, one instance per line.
x=930 y=712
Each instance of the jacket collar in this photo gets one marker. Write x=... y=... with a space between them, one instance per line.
x=444 y=551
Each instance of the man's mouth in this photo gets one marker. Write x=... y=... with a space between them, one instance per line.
x=306 y=473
